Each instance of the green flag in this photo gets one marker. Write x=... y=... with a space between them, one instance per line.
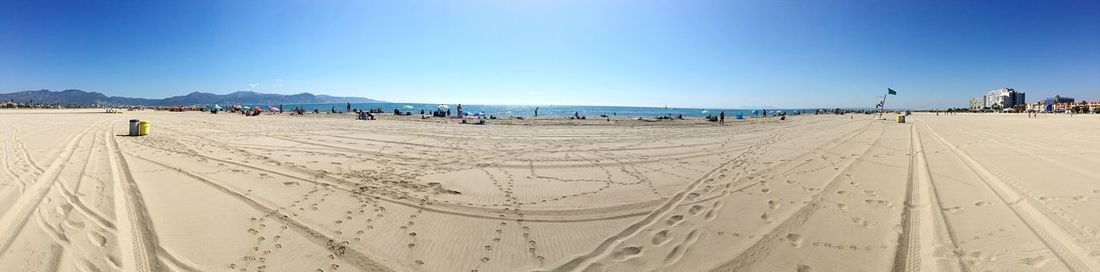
x=891 y=91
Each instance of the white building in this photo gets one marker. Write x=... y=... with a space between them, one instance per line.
x=1002 y=98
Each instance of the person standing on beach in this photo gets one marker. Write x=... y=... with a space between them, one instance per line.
x=722 y=118
x=536 y=111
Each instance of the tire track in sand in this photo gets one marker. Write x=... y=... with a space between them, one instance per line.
x=136 y=238
x=744 y=160
x=1058 y=240
x=7 y=167
x=471 y=212
x=14 y=220
x=660 y=213
x=361 y=261
x=763 y=246
x=916 y=243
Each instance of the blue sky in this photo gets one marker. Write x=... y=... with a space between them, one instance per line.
x=642 y=53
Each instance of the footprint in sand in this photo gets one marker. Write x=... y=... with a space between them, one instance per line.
x=860 y=221
x=595 y=267
x=982 y=203
x=952 y=209
x=674 y=255
x=74 y=224
x=97 y=239
x=765 y=218
x=1036 y=262
x=696 y=209
x=773 y=204
x=627 y=252
x=883 y=203
x=804 y=268
x=673 y=220
x=795 y=238
x=692 y=196
x=660 y=238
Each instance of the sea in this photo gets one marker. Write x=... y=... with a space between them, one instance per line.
x=544 y=110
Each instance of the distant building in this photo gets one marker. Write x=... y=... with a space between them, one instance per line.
x=1058 y=99
x=1061 y=107
x=1003 y=98
x=1036 y=107
x=1050 y=104
x=977 y=103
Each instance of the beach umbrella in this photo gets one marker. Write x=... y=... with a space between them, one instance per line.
x=217 y=107
x=246 y=107
x=442 y=107
x=407 y=107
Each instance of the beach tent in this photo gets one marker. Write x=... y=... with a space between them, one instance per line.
x=442 y=107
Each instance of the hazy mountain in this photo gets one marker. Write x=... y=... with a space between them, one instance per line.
x=78 y=97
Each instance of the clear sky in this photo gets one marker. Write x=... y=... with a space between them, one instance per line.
x=725 y=54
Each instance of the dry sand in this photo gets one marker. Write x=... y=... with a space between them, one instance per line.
x=813 y=193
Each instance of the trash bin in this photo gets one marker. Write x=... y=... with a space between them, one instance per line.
x=901 y=119
x=134 y=127
x=143 y=128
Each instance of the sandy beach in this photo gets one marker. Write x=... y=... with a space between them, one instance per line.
x=205 y=192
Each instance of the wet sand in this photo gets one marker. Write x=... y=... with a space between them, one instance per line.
x=968 y=192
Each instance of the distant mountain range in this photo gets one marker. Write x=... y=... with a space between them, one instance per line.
x=79 y=97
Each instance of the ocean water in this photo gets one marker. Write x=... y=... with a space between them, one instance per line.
x=544 y=110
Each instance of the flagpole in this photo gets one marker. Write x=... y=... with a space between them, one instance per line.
x=882 y=105
x=884 y=99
